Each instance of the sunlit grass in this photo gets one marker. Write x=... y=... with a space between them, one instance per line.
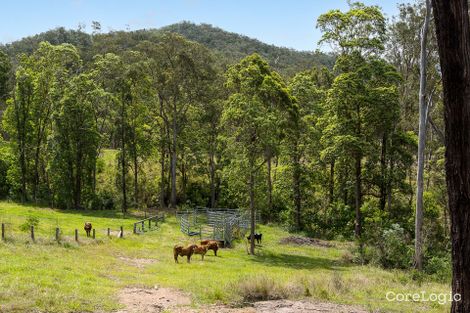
x=85 y=276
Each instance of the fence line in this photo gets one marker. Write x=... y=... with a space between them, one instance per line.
x=34 y=235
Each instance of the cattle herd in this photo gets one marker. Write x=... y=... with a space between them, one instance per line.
x=201 y=249
x=189 y=250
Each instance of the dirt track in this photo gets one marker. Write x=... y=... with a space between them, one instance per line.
x=156 y=300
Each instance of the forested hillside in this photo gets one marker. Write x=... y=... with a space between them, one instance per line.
x=199 y=116
x=232 y=47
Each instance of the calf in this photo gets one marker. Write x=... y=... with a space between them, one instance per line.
x=258 y=237
x=179 y=250
x=202 y=250
x=211 y=245
x=88 y=228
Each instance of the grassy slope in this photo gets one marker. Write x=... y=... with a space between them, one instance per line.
x=86 y=277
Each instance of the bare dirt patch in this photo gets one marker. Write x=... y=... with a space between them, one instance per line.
x=142 y=300
x=299 y=240
x=304 y=306
x=157 y=300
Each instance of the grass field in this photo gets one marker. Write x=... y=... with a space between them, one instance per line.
x=71 y=277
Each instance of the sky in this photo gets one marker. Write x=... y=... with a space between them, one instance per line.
x=282 y=23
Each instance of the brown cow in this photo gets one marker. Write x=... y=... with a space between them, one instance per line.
x=88 y=228
x=202 y=250
x=179 y=250
x=211 y=245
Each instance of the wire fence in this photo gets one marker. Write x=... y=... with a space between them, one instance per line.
x=45 y=229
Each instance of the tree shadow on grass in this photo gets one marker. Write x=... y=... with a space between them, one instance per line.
x=296 y=261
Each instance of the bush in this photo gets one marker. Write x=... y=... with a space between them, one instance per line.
x=395 y=252
x=390 y=250
x=31 y=221
x=440 y=268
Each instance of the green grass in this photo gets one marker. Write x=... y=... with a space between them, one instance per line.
x=66 y=277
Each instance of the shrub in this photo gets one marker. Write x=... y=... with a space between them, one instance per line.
x=440 y=268
x=31 y=221
x=394 y=250
x=390 y=250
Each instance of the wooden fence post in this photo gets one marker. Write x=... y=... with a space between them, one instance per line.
x=76 y=234
x=3 y=231
x=109 y=232
x=121 y=234
x=150 y=223
x=32 y=232
x=57 y=233
x=93 y=233
x=135 y=228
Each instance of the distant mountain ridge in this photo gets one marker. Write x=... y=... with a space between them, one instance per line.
x=232 y=46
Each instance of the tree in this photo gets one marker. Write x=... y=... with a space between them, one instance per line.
x=110 y=70
x=362 y=28
x=52 y=66
x=357 y=35
x=301 y=133
x=362 y=108
x=184 y=69
x=75 y=142
x=41 y=80
x=453 y=36
x=423 y=117
x=17 y=122
x=250 y=118
x=5 y=67
x=407 y=46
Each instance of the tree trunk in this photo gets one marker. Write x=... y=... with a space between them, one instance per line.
x=358 y=198
x=389 y=186
x=212 y=175
x=136 y=178
x=184 y=178
x=163 y=132
x=383 y=173
x=36 y=171
x=453 y=36
x=252 y=205
x=270 y=185
x=332 y=182
x=421 y=142
x=173 y=159
x=296 y=187
x=78 y=181
x=162 y=177
x=23 y=171
x=123 y=161
x=93 y=173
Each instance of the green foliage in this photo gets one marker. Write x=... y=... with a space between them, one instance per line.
x=361 y=28
x=440 y=268
x=182 y=115
x=6 y=159
x=229 y=46
x=394 y=252
x=5 y=67
x=234 y=47
x=389 y=249
x=30 y=221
